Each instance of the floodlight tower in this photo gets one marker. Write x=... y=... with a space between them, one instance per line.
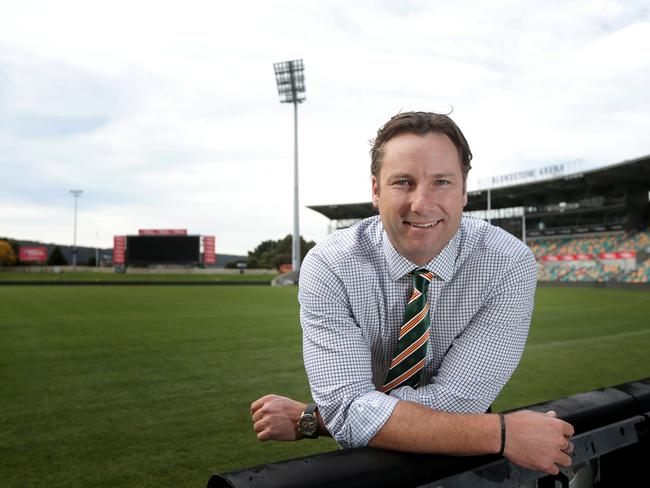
x=290 y=77
x=76 y=194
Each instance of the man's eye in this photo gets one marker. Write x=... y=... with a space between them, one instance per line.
x=443 y=182
x=402 y=182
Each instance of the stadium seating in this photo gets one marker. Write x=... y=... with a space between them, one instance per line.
x=596 y=269
x=639 y=275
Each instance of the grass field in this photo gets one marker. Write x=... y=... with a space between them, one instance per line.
x=150 y=386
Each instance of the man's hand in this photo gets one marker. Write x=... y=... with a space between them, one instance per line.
x=538 y=441
x=275 y=418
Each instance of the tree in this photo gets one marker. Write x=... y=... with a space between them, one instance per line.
x=56 y=258
x=7 y=254
x=271 y=254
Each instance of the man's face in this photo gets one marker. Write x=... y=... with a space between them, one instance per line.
x=420 y=194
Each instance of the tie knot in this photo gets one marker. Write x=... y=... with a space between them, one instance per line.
x=422 y=273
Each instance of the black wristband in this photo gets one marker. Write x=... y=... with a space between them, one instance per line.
x=502 y=419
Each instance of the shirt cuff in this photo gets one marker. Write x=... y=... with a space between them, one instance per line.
x=366 y=416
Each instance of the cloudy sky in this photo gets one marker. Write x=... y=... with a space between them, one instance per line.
x=166 y=114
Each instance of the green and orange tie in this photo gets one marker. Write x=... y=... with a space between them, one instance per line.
x=408 y=359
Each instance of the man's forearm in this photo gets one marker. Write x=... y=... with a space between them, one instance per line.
x=533 y=440
x=415 y=428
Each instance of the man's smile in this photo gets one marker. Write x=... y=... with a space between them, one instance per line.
x=422 y=225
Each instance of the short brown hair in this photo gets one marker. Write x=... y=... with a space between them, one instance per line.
x=419 y=123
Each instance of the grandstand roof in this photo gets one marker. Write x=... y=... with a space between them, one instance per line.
x=345 y=210
x=629 y=173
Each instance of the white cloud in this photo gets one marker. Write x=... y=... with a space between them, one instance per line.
x=167 y=114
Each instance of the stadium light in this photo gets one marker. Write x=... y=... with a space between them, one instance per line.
x=76 y=194
x=290 y=77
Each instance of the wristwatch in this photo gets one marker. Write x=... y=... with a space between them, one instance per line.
x=308 y=422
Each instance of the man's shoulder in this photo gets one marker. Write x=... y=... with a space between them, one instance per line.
x=482 y=238
x=357 y=243
x=490 y=254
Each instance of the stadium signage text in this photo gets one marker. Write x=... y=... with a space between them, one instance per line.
x=32 y=254
x=531 y=174
x=162 y=232
x=617 y=255
x=605 y=256
x=545 y=172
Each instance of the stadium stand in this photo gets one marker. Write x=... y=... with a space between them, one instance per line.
x=595 y=250
x=590 y=226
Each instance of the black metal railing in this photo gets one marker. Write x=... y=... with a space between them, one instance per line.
x=612 y=448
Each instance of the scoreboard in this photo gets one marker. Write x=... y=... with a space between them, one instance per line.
x=143 y=250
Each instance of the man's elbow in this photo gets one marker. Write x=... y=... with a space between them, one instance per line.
x=356 y=421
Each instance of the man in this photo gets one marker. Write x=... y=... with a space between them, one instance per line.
x=413 y=321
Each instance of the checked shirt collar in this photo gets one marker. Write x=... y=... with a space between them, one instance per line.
x=441 y=266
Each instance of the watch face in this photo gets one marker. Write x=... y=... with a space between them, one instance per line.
x=308 y=425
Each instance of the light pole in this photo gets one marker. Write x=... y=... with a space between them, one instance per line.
x=489 y=206
x=290 y=77
x=76 y=194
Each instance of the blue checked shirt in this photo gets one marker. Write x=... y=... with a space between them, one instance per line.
x=353 y=291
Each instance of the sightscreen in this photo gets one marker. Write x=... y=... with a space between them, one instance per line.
x=145 y=250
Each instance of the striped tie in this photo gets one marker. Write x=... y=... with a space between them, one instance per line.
x=411 y=349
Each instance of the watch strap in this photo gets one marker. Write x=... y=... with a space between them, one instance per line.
x=310 y=409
